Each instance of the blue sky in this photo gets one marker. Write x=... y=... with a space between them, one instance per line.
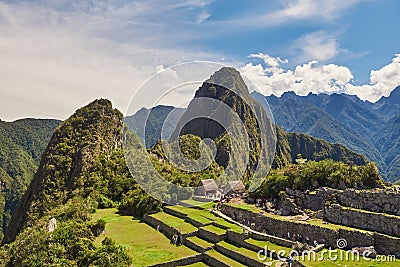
x=59 y=55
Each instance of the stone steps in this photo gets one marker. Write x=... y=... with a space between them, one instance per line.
x=198 y=244
x=216 y=259
x=242 y=255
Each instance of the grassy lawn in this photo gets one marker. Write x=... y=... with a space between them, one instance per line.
x=341 y=261
x=199 y=204
x=214 y=229
x=200 y=242
x=199 y=215
x=197 y=264
x=231 y=226
x=175 y=222
x=224 y=259
x=244 y=251
x=144 y=244
x=270 y=246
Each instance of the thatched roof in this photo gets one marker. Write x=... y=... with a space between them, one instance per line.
x=209 y=185
x=235 y=187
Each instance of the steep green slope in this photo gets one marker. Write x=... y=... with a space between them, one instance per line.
x=22 y=143
x=68 y=161
x=295 y=115
x=290 y=145
x=229 y=89
x=82 y=168
x=388 y=140
x=154 y=124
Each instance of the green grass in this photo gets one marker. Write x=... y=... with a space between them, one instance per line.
x=199 y=204
x=244 y=251
x=200 y=242
x=144 y=244
x=214 y=229
x=197 y=264
x=175 y=222
x=231 y=226
x=224 y=259
x=341 y=261
x=270 y=246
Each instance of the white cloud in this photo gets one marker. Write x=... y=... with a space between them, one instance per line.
x=59 y=55
x=315 y=9
x=306 y=78
x=298 y=10
x=202 y=17
x=313 y=77
x=315 y=46
x=382 y=82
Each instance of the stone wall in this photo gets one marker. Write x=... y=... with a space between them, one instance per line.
x=167 y=230
x=194 y=246
x=174 y=213
x=383 y=244
x=280 y=228
x=378 y=222
x=357 y=238
x=387 y=245
x=376 y=200
x=211 y=261
x=210 y=236
x=181 y=262
x=238 y=257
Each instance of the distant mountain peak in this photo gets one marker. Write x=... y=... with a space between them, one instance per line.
x=227 y=78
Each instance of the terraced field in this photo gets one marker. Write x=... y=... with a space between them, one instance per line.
x=210 y=239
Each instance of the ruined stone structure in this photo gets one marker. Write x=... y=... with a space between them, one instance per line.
x=383 y=244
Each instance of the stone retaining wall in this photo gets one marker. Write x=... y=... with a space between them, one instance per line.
x=357 y=238
x=194 y=222
x=210 y=236
x=375 y=200
x=383 y=244
x=280 y=228
x=195 y=246
x=181 y=262
x=167 y=230
x=211 y=261
x=238 y=257
x=174 y=213
x=378 y=222
x=387 y=245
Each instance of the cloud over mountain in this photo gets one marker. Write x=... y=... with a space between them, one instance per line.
x=312 y=77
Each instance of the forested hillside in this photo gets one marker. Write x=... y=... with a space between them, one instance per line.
x=22 y=143
x=371 y=129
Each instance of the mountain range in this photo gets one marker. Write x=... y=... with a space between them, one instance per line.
x=83 y=168
x=371 y=129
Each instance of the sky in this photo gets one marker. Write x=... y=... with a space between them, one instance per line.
x=56 y=56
